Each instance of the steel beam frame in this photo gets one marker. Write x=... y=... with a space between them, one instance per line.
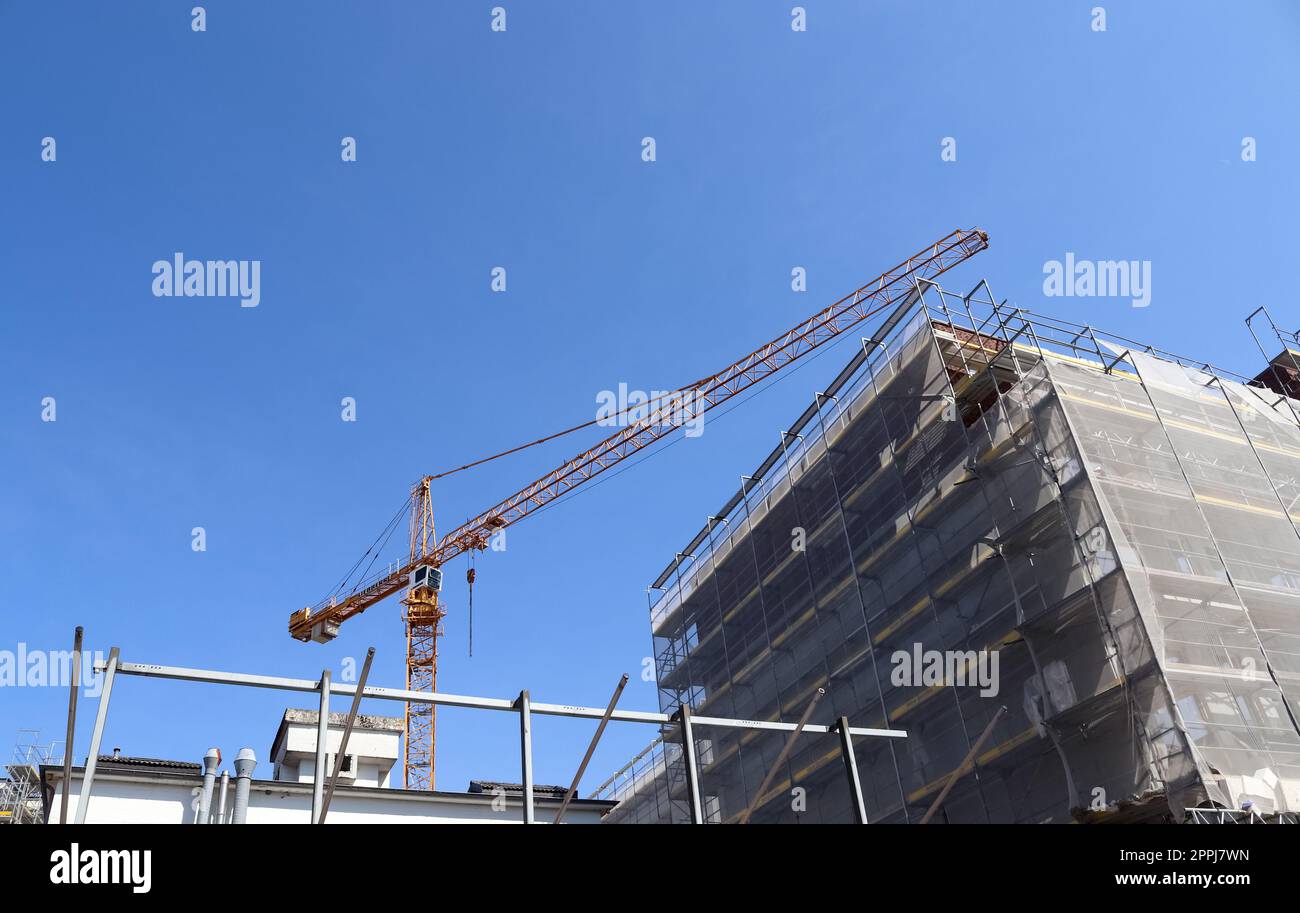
x=347 y=735
x=322 y=744
x=72 y=721
x=306 y=685
x=851 y=770
x=684 y=718
x=780 y=759
x=591 y=749
x=524 y=705
x=110 y=670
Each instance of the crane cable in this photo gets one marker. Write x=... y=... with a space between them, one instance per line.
x=766 y=384
x=559 y=434
x=372 y=552
x=377 y=547
x=472 y=572
x=469 y=578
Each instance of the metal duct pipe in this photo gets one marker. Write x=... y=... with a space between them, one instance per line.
x=211 y=761
x=245 y=761
x=221 y=796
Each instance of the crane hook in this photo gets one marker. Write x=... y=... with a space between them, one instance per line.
x=469 y=578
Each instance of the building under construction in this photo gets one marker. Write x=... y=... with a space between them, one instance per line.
x=1115 y=524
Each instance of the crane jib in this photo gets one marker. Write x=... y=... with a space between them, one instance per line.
x=710 y=392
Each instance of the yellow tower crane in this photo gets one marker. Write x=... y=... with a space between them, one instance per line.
x=421 y=576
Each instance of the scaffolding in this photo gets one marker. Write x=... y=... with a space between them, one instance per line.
x=20 y=793
x=1117 y=523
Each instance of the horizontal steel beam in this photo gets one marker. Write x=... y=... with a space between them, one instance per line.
x=276 y=683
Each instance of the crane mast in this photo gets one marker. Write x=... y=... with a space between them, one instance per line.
x=421 y=576
x=423 y=616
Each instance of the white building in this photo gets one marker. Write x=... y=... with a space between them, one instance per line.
x=130 y=790
x=373 y=748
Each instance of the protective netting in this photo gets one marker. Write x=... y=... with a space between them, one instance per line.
x=1116 y=534
x=1197 y=476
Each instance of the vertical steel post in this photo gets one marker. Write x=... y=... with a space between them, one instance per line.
x=525 y=705
x=692 y=771
x=72 y=723
x=347 y=734
x=591 y=749
x=97 y=736
x=322 y=733
x=851 y=771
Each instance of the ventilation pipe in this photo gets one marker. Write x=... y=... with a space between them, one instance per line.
x=245 y=761
x=211 y=761
x=221 y=797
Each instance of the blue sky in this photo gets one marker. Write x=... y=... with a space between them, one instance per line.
x=522 y=149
